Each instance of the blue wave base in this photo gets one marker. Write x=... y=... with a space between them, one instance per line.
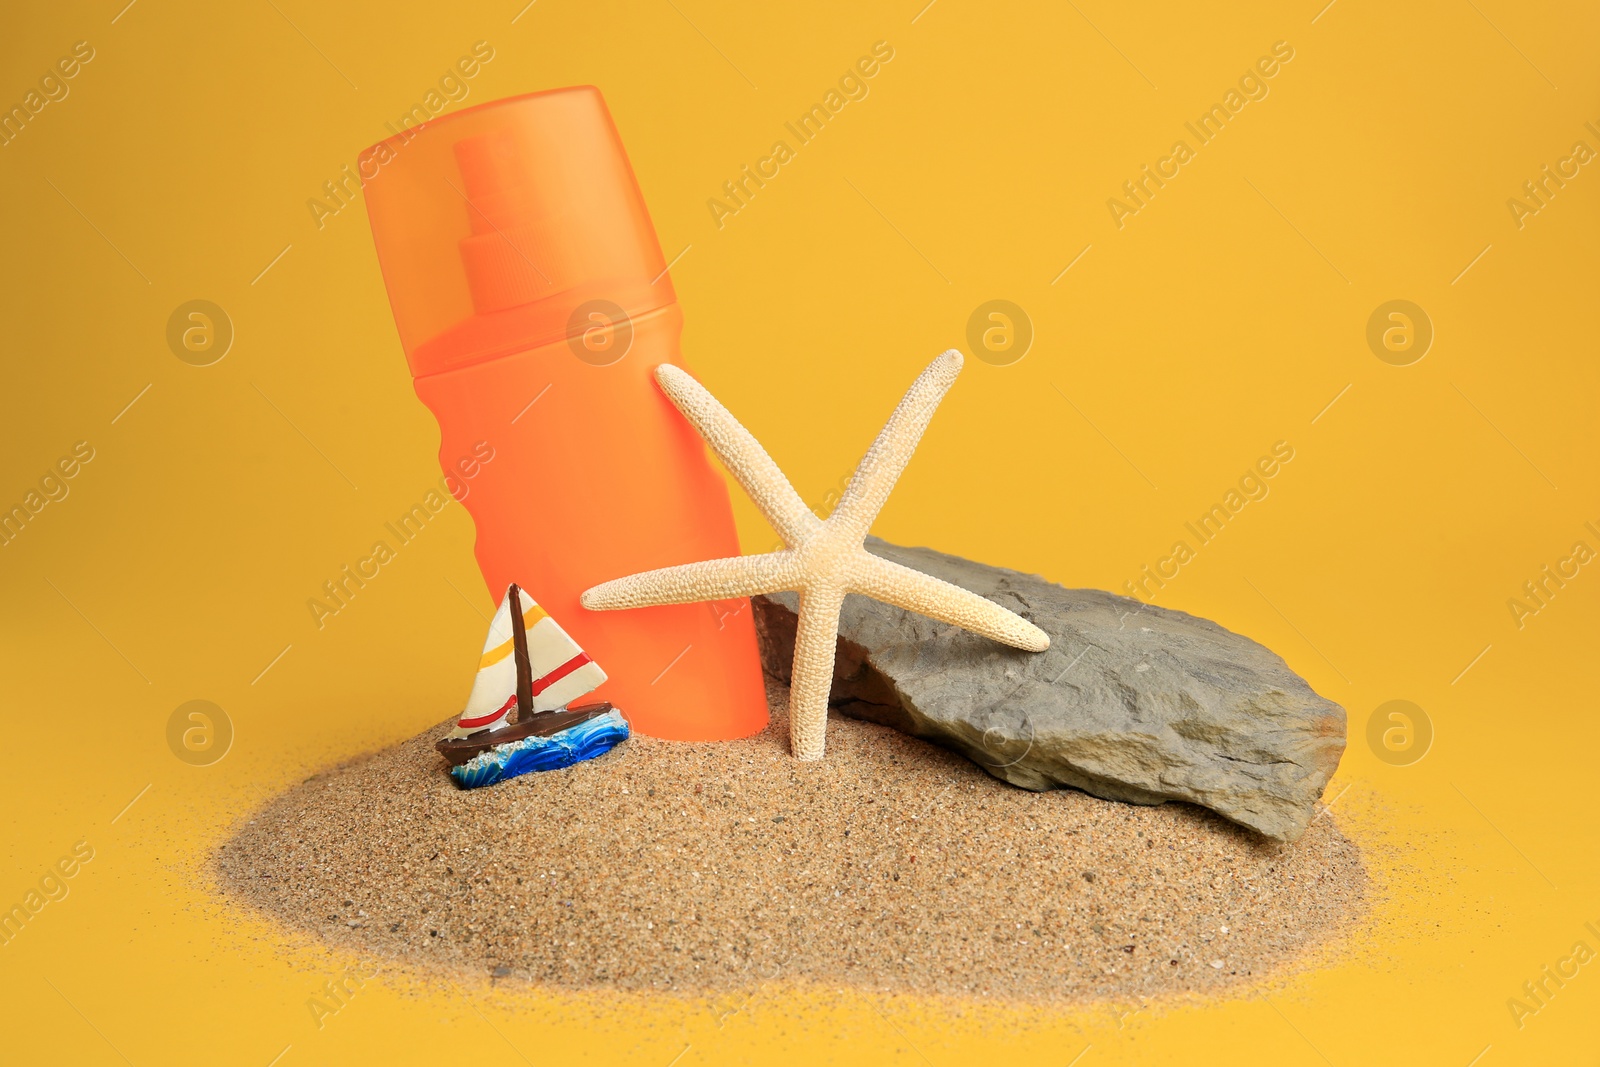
x=575 y=744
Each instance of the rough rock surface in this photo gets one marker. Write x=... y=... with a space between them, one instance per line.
x=1131 y=702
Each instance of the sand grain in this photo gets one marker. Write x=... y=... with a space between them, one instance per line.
x=697 y=868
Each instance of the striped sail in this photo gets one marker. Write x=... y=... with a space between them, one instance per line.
x=558 y=670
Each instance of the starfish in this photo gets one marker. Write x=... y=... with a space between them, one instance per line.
x=823 y=560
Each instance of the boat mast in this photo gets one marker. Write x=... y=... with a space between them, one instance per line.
x=519 y=640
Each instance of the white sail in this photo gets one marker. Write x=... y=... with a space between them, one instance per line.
x=494 y=690
x=560 y=671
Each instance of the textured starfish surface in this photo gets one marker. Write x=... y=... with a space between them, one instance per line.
x=824 y=560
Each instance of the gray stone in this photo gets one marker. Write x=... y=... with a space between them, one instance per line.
x=1131 y=702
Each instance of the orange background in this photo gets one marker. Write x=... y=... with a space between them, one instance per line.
x=1226 y=315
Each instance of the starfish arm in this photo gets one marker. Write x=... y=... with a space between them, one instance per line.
x=880 y=468
x=691 y=583
x=741 y=453
x=905 y=588
x=815 y=641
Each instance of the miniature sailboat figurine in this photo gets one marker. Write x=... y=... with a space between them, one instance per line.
x=530 y=672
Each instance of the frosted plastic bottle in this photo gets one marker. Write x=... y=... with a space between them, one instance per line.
x=533 y=302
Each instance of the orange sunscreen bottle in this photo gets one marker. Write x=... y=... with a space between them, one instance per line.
x=533 y=303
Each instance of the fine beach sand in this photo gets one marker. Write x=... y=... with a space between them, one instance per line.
x=891 y=866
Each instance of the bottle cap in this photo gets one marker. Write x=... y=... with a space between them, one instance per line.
x=510 y=225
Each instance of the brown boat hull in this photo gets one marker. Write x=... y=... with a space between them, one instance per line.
x=458 y=750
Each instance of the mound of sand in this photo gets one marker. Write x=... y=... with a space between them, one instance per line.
x=891 y=865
